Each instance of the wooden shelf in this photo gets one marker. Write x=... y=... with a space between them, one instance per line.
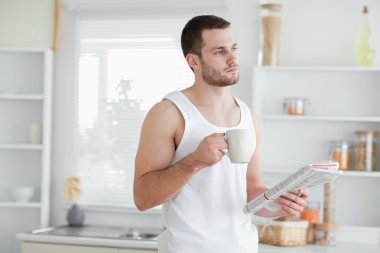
x=21 y=146
x=21 y=204
x=32 y=97
x=320 y=118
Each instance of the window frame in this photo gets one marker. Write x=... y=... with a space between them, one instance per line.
x=76 y=126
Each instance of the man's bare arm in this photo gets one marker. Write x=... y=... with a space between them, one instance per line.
x=291 y=204
x=155 y=180
x=254 y=171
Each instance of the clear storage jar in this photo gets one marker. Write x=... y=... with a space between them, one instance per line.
x=365 y=150
x=311 y=214
x=325 y=234
x=341 y=152
x=295 y=106
x=270 y=34
x=329 y=202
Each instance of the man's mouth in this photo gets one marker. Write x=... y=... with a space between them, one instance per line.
x=233 y=69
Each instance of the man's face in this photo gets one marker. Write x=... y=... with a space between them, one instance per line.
x=219 y=59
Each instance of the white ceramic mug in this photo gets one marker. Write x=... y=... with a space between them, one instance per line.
x=240 y=145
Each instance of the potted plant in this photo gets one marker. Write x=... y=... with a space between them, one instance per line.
x=71 y=193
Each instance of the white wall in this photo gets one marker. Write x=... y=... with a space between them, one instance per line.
x=63 y=116
x=26 y=23
x=324 y=32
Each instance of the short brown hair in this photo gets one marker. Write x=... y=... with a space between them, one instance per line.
x=191 y=37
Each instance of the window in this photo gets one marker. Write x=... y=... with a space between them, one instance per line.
x=125 y=67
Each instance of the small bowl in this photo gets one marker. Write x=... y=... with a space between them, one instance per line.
x=22 y=194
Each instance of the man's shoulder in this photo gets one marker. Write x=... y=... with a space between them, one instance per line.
x=164 y=118
x=164 y=106
x=165 y=110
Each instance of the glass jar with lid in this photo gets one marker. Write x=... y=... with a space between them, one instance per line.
x=329 y=202
x=295 y=105
x=340 y=151
x=270 y=34
x=365 y=150
x=311 y=214
x=325 y=234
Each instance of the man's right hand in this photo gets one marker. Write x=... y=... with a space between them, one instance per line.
x=211 y=150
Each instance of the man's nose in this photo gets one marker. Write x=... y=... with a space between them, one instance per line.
x=232 y=58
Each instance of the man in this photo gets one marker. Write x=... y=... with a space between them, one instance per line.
x=181 y=164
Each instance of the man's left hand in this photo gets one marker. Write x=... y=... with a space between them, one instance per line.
x=293 y=204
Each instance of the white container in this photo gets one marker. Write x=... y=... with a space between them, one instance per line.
x=22 y=194
x=35 y=133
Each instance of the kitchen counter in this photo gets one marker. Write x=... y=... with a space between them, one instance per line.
x=92 y=237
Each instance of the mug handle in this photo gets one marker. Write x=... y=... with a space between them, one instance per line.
x=225 y=151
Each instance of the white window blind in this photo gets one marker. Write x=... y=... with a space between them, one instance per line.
x=125 y=67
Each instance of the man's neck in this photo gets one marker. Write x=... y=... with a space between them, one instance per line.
x=216 y=104
x=209 y=96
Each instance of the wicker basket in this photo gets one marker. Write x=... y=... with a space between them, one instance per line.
x=283 y=233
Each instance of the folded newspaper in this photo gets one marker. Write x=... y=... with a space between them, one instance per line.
x=306 y=177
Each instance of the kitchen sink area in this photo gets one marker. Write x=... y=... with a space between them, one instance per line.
x=135 y=235
x=89 y=238
x=104 y=232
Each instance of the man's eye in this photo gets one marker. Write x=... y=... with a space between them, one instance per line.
x=234 y=48
x=218 y=52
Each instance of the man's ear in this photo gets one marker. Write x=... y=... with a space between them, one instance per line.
x=193 y=61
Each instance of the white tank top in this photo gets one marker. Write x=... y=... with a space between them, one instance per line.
x=207 y=216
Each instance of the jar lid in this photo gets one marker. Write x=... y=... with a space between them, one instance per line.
x=296 y=100
x=326 y=225
x=313 y=205
x=372 y=133
x=272 y=6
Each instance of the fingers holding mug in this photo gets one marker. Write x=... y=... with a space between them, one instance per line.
x=210 y=149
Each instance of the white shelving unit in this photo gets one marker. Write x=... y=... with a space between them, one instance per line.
x=16 y=204
x=25 y=99
x=21 y=147
x=22 y=97
x=342 y=101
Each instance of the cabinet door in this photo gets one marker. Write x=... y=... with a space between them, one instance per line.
x=136 y=251
x=29 y=247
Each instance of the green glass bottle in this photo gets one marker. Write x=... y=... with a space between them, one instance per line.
x=365 y=51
